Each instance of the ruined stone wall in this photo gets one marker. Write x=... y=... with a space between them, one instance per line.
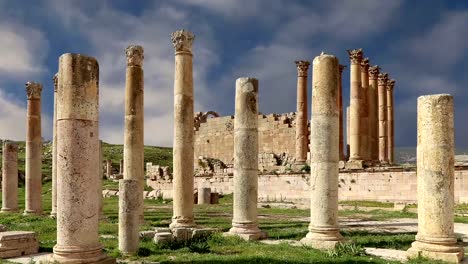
x=385 y=186
x=214 y=136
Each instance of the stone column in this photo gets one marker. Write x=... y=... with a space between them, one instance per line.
x=244 y=222
x=10 y=177
x=347 y=134
x=301 y=117
x=133 y=162
x=373 y=113
x=121 y=166
x=204 y=195
x=33 y=184
x=129 y=221
x=108 y=168
x=183 y=153
x=364 y=109
x=340 y=109
x=355 y=130
x=78 y=161
x=101 y=177
x=383 y=148
x=390 y=127
x=53 y=212
x=323 y=228
x=435 y=172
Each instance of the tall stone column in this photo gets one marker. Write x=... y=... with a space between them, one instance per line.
x=133 y=162
x=301 y=117
x=10 y=177
x=355 y=106
x=78 y=161
x=340 y=109
x=33 y=185
x=108 y=168
x=53 y=212
x=244 y=222
x=372 y=96
x=435 y=171
x=365 y=109
x=129 y=220
x=323 y=228
x=390 y=123
x=183 y=152
x=383 y=147
x=347 y=134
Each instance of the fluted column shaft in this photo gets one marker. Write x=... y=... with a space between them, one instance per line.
x=33 y=184
x=390 y=123
x=301 y=117
x=78 y=161
x=10 y=177
x=364 y=109
x=183 y=152
x=356 y=146
x=373 y=113
x=383 y=126
x=323 y=228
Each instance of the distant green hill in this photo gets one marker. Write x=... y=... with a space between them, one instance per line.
x=157 y=155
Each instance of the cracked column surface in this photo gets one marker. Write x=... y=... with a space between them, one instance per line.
x=435 y=171
x=302 y=130
x=323 y=228
x=78 y=162
x=10 y=177
x=183 y=152
x=129 y=220
x=244 y=222
x=33 y=182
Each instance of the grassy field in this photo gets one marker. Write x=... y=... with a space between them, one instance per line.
x=279 y=223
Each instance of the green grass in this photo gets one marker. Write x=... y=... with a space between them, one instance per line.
x=367 y=204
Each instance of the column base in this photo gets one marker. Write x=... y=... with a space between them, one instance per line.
x=9 y=210
x=182 y=222
x=354 y=165
x=323 y=238
x=33 y=212
x=246 y=231
x=75 y=255
x=449 y=253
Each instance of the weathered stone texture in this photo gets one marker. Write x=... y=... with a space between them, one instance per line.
x=373 y=113
x=301 y=116
x=383 y=125
x=10 y=177
x=53 y=212
x=130 y=201
x=18 y=243
x=355 y=143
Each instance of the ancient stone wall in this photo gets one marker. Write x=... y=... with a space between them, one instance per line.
x=214 y=136
x=386 y=186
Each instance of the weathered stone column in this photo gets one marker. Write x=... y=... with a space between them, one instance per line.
x=78 y=161
x=33 y=184
x=373 y=113
x=340 y=109
x=301 y=117
x=364 y=128
x=53 y=212
x=10 y=177
x=121 y=166
x=133 y=162
x=390 y=127
x=435 y=172
x=108 y=168
x=355 y=105
x=323 y=228
x=129 y=221
x=347 y=134
x=204 y=195
x=101 y=177
x=383 y=147
x=244 y=221
x=183 y=131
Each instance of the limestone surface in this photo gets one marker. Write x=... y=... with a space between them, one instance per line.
x=10 y=177
x=18 y=243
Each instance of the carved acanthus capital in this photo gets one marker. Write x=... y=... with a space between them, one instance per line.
x=302 y=68
x=182 y=40
x=355 y=56
x=390 y=84
x=55 y=79
x=383 y=78
x=365 y=65
x=134 y=55
x=33 y=90
x=374 y=72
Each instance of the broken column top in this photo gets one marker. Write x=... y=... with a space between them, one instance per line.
x=134 y=55
x=365 y=65
x=355 y=56
x=9 y=146
x=383 y=78
x=33 y=90
x=374 y=72
x=302 y=67
x=182 y=40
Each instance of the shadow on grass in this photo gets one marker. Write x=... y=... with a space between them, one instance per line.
x=268 y=260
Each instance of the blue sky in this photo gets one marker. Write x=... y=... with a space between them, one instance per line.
x=422 y=44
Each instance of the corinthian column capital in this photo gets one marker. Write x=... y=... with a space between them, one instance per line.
x=390 y=84
x=33 y=90
x=383 y=78
x=302 y=68
x=365 y=65
x=374 y=72
x=134 y=55
x=182 y=40
x=355 y=56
